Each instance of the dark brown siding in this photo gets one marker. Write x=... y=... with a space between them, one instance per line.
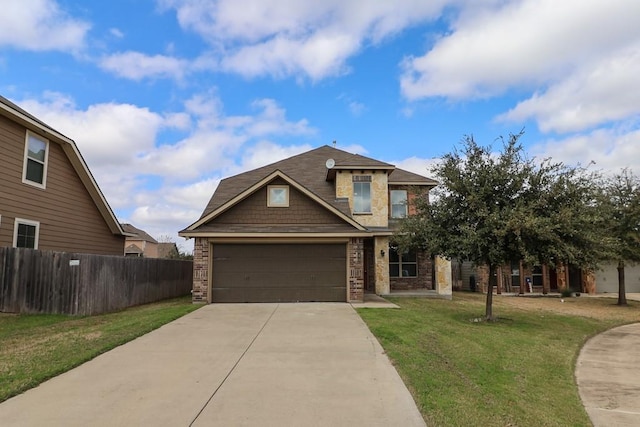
x=69 y=220
x=302 y=210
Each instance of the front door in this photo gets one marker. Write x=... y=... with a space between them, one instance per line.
x=369 y=266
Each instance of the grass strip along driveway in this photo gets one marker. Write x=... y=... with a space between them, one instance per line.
x=34 y=348
x=518 y=371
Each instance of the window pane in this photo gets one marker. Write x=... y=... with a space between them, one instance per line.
x=35 y=171
x=398 y=211
x=398 y=196
x=26 y=236
x=393 y=255
x=398 y=203
x=409 y=257
x=37 y=148
x=409 y=270
x=361 y=197
x=394 y=270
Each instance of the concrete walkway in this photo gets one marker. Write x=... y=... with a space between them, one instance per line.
x=231 y=365
x=608 y=377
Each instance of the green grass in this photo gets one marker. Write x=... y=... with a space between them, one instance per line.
x=34 y=348
x=518 y=371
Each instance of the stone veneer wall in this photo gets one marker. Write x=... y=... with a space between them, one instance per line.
x=200 y=293
x=355 y=255
x=379 y=216
x=424 y=279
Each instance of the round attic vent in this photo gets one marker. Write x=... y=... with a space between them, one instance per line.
x=330 y=163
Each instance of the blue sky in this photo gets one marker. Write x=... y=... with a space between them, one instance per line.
x=164 y=98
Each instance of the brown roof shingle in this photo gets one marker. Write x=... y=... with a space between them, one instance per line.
x=308 y=169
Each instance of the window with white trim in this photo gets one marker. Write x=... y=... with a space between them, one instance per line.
x=26 y=233
x=36 y=153
x=399 y=204
x=403 y=265
x=277 y=196
x=361 y=193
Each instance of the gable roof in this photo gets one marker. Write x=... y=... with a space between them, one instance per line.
x=309 y=170
x=259 y=184
x=137 y=234
x=18 y=115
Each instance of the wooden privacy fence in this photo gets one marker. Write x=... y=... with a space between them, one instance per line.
x=33 y=281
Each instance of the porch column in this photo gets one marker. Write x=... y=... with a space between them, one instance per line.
x=545 y=279
x=443 y=276
x=200 y=292
x=380 y=246
x=355 y=269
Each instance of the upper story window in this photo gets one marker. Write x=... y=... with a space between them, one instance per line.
x=26 y=234
x=35 y=160
x=278 y=196
x=361 y=193
x=399 y=207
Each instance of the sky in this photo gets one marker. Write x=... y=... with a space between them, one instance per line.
x=165 y=98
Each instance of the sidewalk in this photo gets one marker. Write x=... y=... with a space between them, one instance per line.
x=609 y=379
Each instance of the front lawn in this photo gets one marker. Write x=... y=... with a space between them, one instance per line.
x=34 y=348
x=514 y=372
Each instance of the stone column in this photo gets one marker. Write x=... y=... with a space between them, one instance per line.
x=382 y=265
x=355 y=254
x=443 y=276
x=200 y=291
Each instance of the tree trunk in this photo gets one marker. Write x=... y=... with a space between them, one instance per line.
x=489 y=307
x=622 y=292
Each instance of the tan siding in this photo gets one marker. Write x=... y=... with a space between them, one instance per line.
x=301 y=210
x=69 y=220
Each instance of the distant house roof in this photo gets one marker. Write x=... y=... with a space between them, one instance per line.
x=17 y=114
x=133 y=249
x=168 y=250
x=310 y=171
x=137 y=234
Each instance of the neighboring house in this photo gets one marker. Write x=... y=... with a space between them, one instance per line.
x=521 y=278
x=607 y=277
x=48 y=198
x=168 y=250
x=139 y=243
x=313 y=227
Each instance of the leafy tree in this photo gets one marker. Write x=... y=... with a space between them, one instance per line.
x=622 y=203
x=492 y=208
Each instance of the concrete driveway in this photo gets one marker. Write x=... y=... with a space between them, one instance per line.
x=609 y=379
x=231 y=365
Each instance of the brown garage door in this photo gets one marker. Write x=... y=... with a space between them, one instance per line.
x=279 y=272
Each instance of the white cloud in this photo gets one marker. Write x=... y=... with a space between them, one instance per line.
x=137 y=66
x=108 y=134
x=217 y=138
x=417 y=165
x=163 y=188
x=499 y=45
x=117 y=33
x=283 y=38
x=610 y=149
x=40 y=25
x=597 y=94
x=267 y=152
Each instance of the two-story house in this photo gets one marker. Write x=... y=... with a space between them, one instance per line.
x=139 y=243
x=313 y=227
x=48 y=198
